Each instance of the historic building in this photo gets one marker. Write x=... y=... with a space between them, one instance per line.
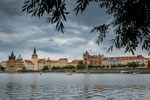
x=94 y=60
x=101 y=60
x=54 y=63
x=13 y=64
x=148 y=62
x=3 y=63
x=74 y=63
x=63 y=62
x=57 y=63
x=28 y=65
x=41 y=63
x=35 y=60
x=51 y=63
x=109 y=61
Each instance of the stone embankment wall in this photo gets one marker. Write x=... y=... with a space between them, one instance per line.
x=142 y=71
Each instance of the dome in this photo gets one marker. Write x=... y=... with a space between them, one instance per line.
x=19 y=57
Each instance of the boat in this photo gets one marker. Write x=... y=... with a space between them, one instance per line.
x=133 y=73
x=68 y=73
x=40 y=73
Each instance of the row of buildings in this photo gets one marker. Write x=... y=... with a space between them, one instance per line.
x=101 y=60
x=14 y=64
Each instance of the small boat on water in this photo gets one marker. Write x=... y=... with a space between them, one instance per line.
x=40 y=73
x=68 y=73
x=133 y=73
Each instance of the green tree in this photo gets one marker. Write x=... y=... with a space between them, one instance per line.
x=45 y=68
x=103 y=66
x=56 y=68
x=131 y=19
x=23 y=68
x=123 y=65
x=80 y=65
x=69 y=67
x=2 y=68
x=132 y=64
x=90 y=67
x=113 y=66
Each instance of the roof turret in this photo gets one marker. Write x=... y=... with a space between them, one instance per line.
x=86 y=53
x=19 y=57
x=12 y=56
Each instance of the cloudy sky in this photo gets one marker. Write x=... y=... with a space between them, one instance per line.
x=19 y=32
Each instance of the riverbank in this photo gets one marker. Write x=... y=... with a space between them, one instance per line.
x=140 y=71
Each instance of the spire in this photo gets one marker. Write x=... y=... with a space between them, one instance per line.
x=86 y=53
x=34 y=51
x=12 y=56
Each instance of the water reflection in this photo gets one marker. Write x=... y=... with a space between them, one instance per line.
x=9 y=91
x=76 y=87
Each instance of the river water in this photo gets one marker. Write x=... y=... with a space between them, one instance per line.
x=59 y=86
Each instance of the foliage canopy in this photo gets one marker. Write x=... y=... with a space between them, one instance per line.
x=131 y=19
x=80 y=65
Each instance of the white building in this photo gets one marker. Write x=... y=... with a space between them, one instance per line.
x=28 y=65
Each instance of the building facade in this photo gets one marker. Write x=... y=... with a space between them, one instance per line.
x=29 y=65
x=148 y=62
x=3 y=63
x=63 y=62
x=74 y=63
x=101 y=60
x=41 y=64
x=94 y=60
x=13 y=64
x=109 y=61
x=35 y=60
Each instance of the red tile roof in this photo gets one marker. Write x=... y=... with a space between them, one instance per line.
x=14 y=61
x=75 y=61
x=63 y=59
x=40 y=60
x=128 y=57
x=54 y=61
x=28 y=61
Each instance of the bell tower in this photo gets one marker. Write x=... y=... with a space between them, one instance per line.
x=12 y=56
x=85 y=58
x=35 y=59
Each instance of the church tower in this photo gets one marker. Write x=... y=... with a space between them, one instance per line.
x=12 y=56
x=35 y=59
x=86 y=58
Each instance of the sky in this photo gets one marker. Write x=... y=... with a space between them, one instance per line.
x=20 y=33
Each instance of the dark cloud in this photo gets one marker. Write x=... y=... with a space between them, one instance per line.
x=10 y=7
x=6 y=28
x=19 y=32
x=92 y=16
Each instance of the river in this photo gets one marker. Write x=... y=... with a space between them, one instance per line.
x=59 y=86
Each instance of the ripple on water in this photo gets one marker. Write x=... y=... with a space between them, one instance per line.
x=76 y=87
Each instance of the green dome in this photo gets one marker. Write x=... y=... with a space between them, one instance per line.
x=19 y=57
